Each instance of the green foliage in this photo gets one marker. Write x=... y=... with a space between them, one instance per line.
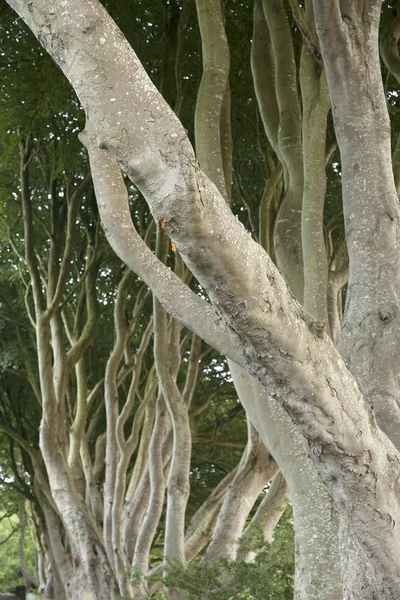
x=10 y=574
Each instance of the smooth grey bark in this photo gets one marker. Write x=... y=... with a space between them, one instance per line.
x=396 y=165
x=287 y=231
x=316 y=105
x=28 y=577
x=201 y=526
x=59 y=561
x=112 y=411
x=178 y=487
x=167 y=358
x=256 y=469
x=267 y=516
x=127 y=446
x=91 y=567
x=37 y=535
x=143 y=450
x=263 y=72
x=317 y=564
x=370 y=334
x=369 y=339
x=337 y=280
x=301 y=369
x=266 y=208
x=134 y=512
x=192 y=311
x=213 y=92
x=305 y=153
x=93 y=497
x=157 y=494
x=390 y=55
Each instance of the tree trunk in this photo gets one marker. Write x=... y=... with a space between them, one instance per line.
x=267 y=516
x=287 y=232
x=369 y=341
x=317 y=565
x=256 y=470
x=316 y=105
x=278 y=341
x=157 y=493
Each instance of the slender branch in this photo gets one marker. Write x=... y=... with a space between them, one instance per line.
x=19 y=439
x=69 y=244
x=87 y=335
x=263 y=71
x=308 y=33
x=129 y=404
x=212 y=90
x=9 y=536
x=28 y=366
x=30 y=256
x=193 y=370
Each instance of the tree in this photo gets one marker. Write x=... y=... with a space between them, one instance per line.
x=12 y=545
x=253 y=318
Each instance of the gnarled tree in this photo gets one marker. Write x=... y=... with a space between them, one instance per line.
x=331 y=395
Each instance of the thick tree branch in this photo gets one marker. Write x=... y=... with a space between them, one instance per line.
x=267 y=516
x=279 y=341
x=256 y=469
x=177 y=298
x=328 y=12
x=329 y=23
x=316 y=105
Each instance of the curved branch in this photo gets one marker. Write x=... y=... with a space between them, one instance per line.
x=69 y=243
x=212 y=96
x=307 y=32
x=287 y=231
x=175 y=295
x=277 y=339
x=30 y=255
x=263 y=72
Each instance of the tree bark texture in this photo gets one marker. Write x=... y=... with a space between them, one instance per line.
x=279 y=342
x=317 y=565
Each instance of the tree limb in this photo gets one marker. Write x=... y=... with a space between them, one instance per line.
x=278 y=340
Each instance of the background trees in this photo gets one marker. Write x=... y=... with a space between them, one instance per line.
x=134 y=407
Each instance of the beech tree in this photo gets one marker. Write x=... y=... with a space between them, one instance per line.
x=278 y=324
